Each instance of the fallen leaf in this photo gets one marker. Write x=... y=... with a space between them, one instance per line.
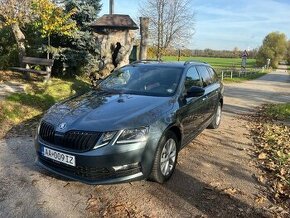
x=230 y=191
x=211 y=197
x=260 y=199
x=262 y=156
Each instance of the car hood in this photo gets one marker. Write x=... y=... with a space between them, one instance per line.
x=103 y=111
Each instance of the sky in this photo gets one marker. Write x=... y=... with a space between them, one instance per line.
x=226 y=24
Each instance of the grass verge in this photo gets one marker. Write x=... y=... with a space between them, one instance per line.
x=20 y=112
x=279 y=111
x=244 y=78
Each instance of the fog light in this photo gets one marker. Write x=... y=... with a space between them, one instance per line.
x=126 y=167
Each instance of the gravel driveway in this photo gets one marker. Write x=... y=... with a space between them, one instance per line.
x=215 y=175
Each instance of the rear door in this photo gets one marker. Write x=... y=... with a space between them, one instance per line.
x=211 y=89
x=215 y=86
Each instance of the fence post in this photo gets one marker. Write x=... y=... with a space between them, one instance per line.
x=222 y=75
x=231 y=74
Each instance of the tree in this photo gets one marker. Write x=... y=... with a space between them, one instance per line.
x=15 y=14
x=236 y=52
x=52 y=19
x=8 y=49
x=80 y=51
x=288 y=53
x=274 y=47
x=171 y=22
x=86 y=11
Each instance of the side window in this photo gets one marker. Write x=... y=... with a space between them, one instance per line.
x=205 y=76
x=192 y=78
x=213 y=74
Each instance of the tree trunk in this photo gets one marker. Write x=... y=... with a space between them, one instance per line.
x=48 y=46
x=20 y=40
x=144 y=31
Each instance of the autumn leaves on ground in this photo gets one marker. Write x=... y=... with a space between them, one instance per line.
x=271 y=134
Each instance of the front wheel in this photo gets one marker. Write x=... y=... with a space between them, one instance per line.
x=217 y=117
x=165 y=158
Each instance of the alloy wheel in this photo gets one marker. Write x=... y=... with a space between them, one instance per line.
x=168 y=157
x=218 y=115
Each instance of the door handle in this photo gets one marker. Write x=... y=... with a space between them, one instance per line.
x=204 y=98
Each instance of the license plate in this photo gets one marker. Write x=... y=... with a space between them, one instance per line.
x=59 y=156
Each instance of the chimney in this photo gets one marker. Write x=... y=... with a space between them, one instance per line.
x=111 y=6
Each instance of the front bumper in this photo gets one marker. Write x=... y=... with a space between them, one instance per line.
x=106 y=165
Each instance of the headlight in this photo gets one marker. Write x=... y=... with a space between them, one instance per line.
x=133 y=135
x=123 y=137
x=37 y=131
x=105 y=139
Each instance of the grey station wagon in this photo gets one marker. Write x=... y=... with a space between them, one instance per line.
x=132 y=125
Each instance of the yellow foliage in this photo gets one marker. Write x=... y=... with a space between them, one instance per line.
x=51 y=18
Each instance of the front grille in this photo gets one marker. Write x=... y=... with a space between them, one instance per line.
x=78 y=140
x=89 y=173
x=74 y=140
x=47 y=132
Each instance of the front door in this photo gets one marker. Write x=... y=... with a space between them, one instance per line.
x=192 y=110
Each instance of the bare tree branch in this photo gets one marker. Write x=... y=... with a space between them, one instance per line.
x=171 y=22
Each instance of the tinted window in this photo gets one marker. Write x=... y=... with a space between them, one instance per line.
x=204 y=74
x=213 y=74
x=143 y=80
x=192 y=78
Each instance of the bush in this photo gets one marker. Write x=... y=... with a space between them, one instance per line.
x=8 y=49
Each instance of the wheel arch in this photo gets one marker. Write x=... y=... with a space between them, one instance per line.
x=222 y=101
x=177 y=131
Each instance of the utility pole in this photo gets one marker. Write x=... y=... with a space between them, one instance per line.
x=112 y=7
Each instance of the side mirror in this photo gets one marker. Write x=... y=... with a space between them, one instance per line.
x=195 y=91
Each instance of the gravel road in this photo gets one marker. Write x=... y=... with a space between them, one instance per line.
x=215 y=175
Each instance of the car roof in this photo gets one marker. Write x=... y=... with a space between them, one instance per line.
x=179 y=64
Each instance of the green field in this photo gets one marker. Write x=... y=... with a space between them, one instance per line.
x=227 y=65
x=219 y=63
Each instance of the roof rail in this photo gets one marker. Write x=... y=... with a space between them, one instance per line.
x=146 y=61
x=192 y=61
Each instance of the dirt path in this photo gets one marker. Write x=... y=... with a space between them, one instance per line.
x=10 y=87
x=215 y=175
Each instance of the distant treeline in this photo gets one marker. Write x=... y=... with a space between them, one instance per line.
x=235 y=53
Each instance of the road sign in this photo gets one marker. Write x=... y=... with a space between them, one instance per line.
x=245 y=54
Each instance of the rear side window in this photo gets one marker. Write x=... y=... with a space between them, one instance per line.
x=192 y=78
x=213 y=74
x=205 y=76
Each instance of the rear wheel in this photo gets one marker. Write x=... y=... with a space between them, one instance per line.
x=165 y=158
x=217 y=117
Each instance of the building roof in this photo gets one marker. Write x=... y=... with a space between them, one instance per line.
x=115 y=21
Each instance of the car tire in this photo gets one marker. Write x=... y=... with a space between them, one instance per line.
x=216 y=118
x=165 y=158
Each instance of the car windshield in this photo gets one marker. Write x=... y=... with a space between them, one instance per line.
x=143 y=80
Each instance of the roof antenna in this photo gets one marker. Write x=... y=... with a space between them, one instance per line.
x=111 y=7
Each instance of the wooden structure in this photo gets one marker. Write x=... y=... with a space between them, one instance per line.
x=115 y=33
x=31 y=62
